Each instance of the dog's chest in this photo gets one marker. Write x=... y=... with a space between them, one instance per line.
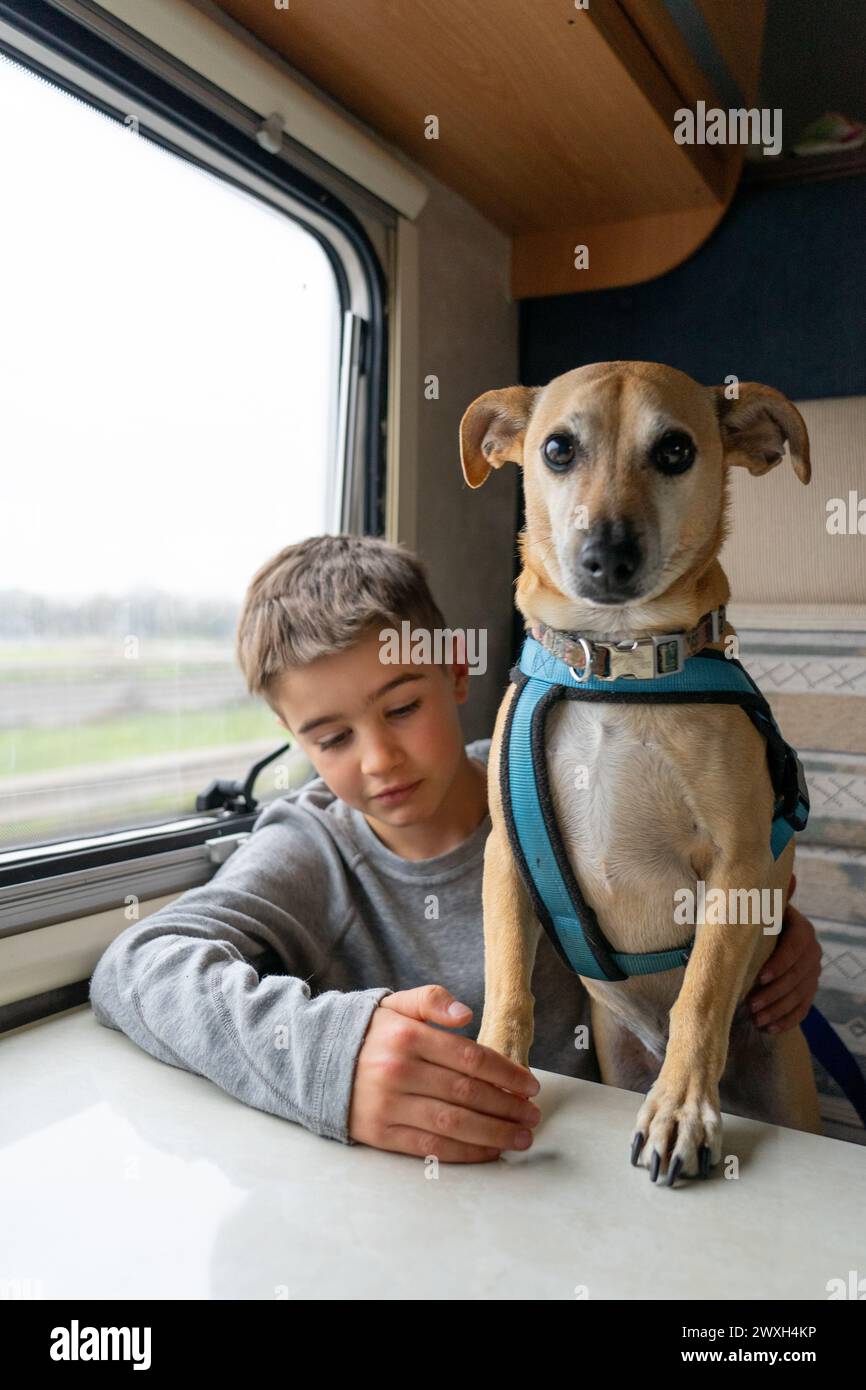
x=621 y=797
x=623 y=804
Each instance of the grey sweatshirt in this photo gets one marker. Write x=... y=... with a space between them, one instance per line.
x=315 y=895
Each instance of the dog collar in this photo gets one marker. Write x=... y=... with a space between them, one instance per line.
x=642 y=658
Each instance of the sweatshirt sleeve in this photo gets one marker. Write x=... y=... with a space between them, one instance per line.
x=182 y=984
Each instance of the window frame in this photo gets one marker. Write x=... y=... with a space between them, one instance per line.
x=99 y=60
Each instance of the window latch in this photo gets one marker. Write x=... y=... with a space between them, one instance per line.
x=229 y=795
x=270 y=133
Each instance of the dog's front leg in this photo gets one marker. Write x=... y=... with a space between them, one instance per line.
x=679 y=1126
x=511 y=932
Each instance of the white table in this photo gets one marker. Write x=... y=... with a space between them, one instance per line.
x=121 y=1177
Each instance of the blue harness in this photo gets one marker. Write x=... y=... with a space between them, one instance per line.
x=542 y=680
x=567 y=918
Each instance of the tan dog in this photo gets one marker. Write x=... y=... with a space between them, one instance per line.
x=645 y=451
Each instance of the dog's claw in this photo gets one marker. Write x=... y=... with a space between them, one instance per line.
x=636 y=1145
x=656 y=1164
x=704 y=1160
x=675 y=1170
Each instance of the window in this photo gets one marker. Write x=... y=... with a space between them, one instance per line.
x=175 y=383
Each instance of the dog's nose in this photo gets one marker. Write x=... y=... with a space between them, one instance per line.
x=609 y=559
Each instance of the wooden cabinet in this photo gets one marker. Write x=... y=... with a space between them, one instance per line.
x=556 y=122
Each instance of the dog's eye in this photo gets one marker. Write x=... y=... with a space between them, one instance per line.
x=673 y=453
x=558 y=452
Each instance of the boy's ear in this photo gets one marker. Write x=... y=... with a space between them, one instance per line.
x=754 y=429
x=492 y=430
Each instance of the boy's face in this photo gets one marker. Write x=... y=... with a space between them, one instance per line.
x=369 y=739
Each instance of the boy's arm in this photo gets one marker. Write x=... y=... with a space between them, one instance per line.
x=181 y=983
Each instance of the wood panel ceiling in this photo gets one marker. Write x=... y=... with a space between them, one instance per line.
x=556 y=123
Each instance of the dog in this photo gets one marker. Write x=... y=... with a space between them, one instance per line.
x=625 y=474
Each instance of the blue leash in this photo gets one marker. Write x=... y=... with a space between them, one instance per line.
x=828 y=1048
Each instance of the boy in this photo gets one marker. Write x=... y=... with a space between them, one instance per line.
x=367 y=883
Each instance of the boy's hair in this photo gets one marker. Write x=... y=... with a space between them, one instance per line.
x=321 y=596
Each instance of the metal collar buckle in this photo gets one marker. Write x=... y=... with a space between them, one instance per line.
x=644 y=658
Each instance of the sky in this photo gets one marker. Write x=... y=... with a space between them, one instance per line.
x=168 y=354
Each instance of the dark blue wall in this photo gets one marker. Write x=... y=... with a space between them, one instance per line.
x=775 y=295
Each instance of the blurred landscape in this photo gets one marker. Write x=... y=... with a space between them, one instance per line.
x=108 y=723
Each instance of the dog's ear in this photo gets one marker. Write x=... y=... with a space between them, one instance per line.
x=755 y=426
x=492 y=430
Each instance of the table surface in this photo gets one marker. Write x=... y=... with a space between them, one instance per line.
x=123 y=1177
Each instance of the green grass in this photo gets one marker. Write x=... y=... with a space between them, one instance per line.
x=33 y=749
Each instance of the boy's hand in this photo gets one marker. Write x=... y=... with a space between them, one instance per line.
x=421 y=1091
x=784 y=991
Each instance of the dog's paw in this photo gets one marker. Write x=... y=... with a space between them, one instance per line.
x=678 y=1131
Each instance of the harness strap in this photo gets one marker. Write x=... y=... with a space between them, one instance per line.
x=568 y=919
